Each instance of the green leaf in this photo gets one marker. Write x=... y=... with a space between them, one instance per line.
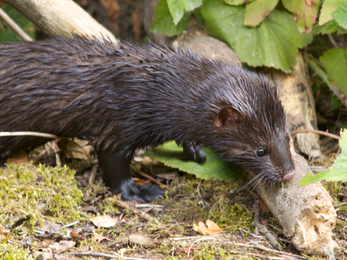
x=274 y=43
x=176 y=8
x=328 y=7
x=7 y=34
x=335 y=103
x=190 y=5
x=340 y=15
x=237 y=2
x=337 y=172
x=334 y=62
x=288 y=5
x=305 y=13
x=172 y=155
x=329 y=27
x=163 y=21
x=256 y=11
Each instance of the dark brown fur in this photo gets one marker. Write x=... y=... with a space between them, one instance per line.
x=134 y=96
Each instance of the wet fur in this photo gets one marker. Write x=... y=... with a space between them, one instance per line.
x=128 y=97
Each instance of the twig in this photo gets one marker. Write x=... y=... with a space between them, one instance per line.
x=332 y=40
x=91 y=181
x=269 y=250
x=189 y=238
x=272 y=239
x=203 y=238
x=315 y=132
x=14 y=26
x=103 y=255
x=147 y=176
x=141 y=214
x=70 y=224
x=30 y=133
x=133 y=4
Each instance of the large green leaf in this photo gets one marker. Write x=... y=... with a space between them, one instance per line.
x=340 y=15
x=328 y=7
x=164 y=23
x=334 y=62
x=305 y=13
x=337 y=172
x=7 y=34
x=172 y=155
x=256 y=11
x=274 y=43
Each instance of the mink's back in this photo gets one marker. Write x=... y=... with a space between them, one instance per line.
x=121 y=97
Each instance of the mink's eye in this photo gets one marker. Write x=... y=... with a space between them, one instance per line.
x=261 y=152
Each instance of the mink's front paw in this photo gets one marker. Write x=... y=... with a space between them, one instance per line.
x=194 y=152
x=141 y=193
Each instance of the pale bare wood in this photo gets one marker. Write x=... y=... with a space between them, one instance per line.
x=60 y=18
x=306 y=213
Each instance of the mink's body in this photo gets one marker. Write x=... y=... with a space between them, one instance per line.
x=128 y=97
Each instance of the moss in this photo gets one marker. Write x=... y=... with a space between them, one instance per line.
x=12 y=251
x=37 y=193
x=343 y=209
x=233 y=216
x=165 y=250
x=210 y=251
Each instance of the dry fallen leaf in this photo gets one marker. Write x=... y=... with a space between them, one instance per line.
x=18 y=158
x=62 y=246
x=211 y=229
x=263 y=206
x=141 y=240
x=76 y=149
x=98 y=238
x=3 y=232
x=140 y=181
x=104 y=221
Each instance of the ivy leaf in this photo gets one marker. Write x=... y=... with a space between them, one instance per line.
x=340 y=15
x=256 y=11
x=305 y=13
x=172 y=155
x=334 y=62
x=328 y=7
x=164 y=23
x=273 y=43
x=337 y=172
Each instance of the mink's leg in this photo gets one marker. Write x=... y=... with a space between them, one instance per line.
x=194 y=152
x=116 y=174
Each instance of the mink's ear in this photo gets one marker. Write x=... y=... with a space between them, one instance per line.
x=227 y=117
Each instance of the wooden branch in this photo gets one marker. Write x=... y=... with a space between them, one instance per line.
x=306 y=213
x=10 y=23
x=60 y=18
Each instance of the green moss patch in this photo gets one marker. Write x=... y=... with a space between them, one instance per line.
x=36 y=193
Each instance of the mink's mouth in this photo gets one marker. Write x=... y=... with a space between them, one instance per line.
x=289 y=175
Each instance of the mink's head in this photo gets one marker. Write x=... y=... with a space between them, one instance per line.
x=250 y=126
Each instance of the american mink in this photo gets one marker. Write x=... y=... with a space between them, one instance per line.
x=125 y=97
